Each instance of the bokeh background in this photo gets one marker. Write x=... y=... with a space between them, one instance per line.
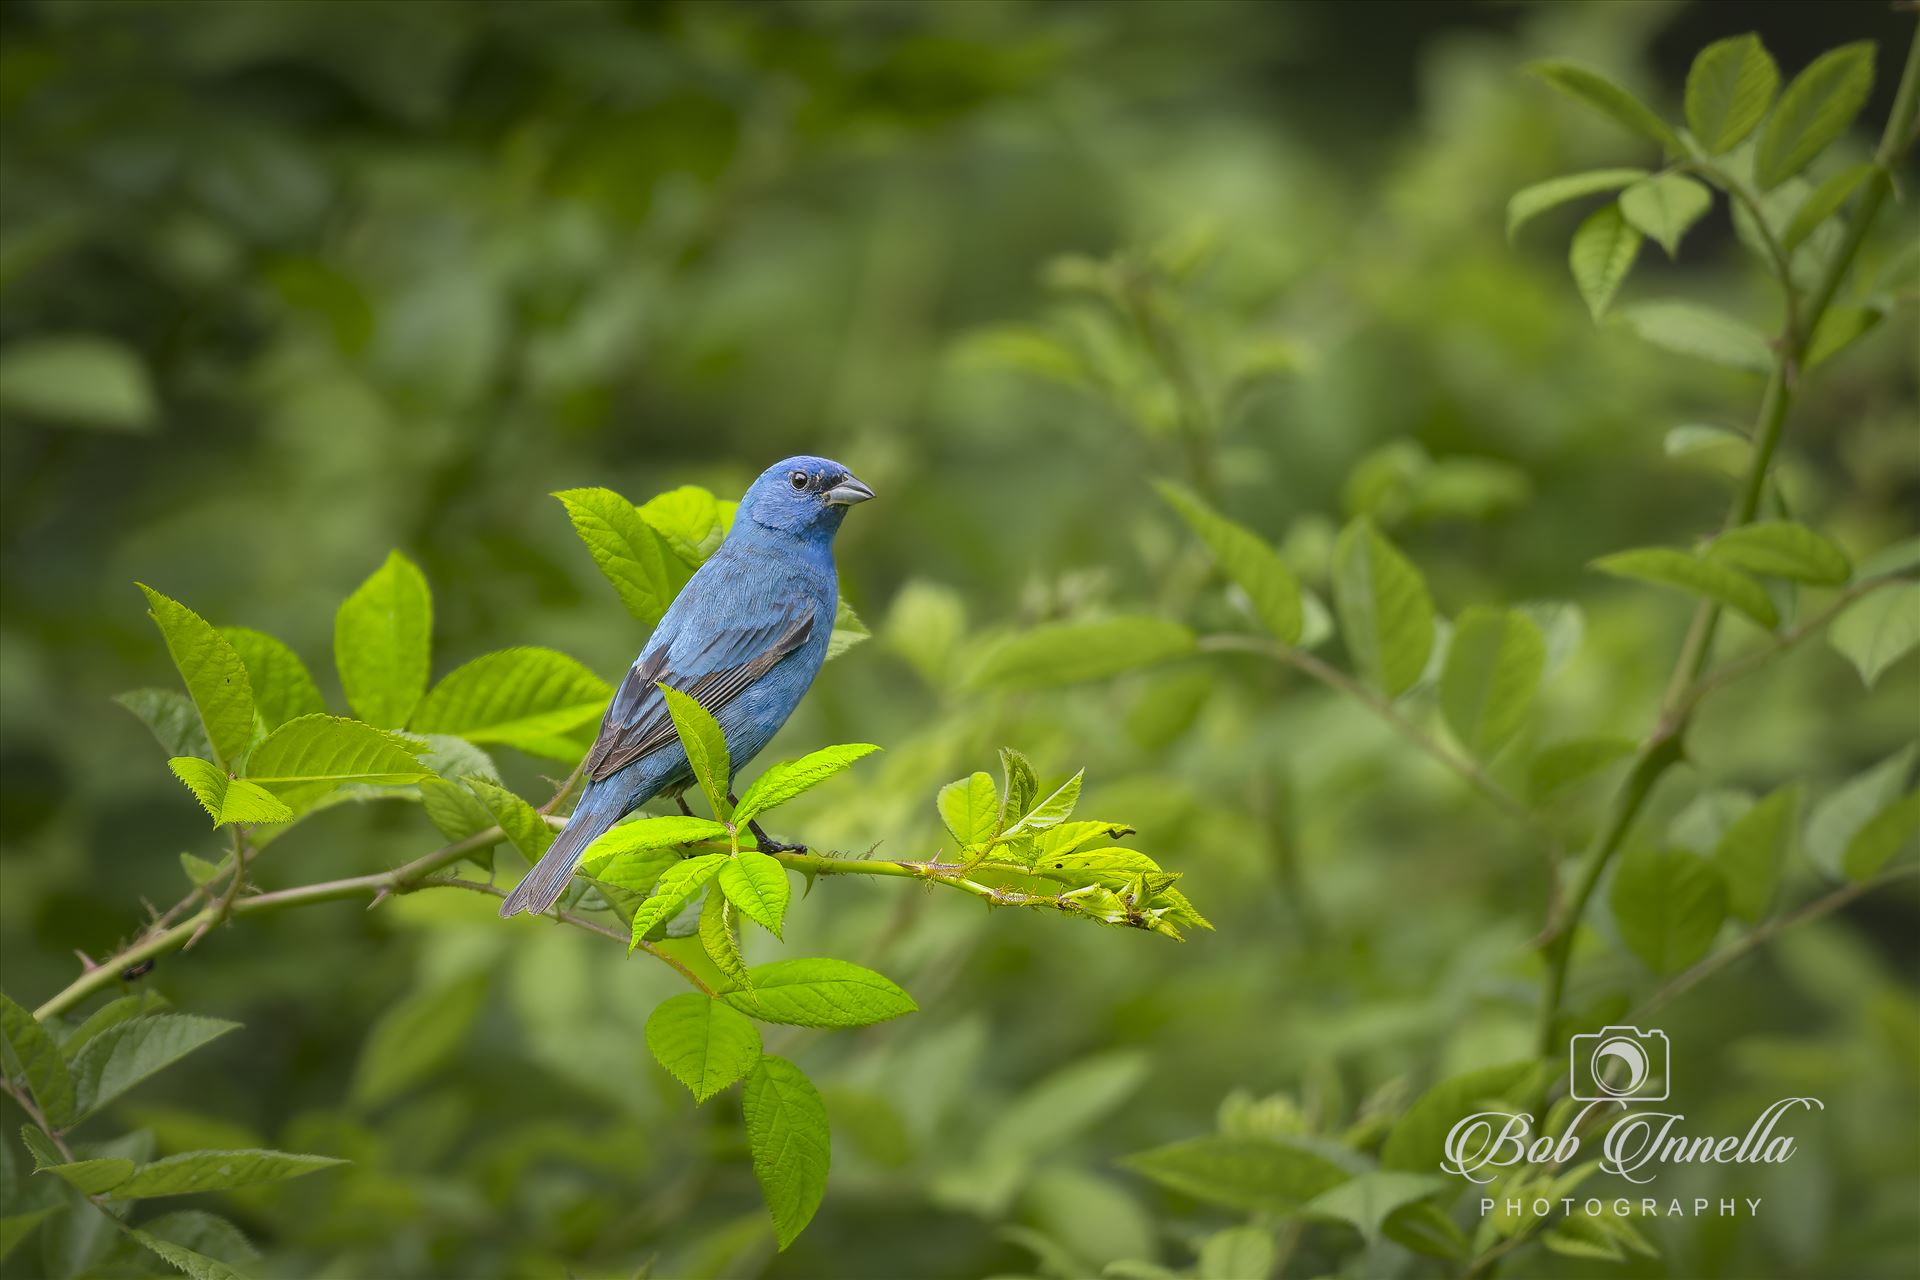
x=356 y=276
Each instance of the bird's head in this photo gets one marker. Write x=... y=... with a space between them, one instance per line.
x=803 y=495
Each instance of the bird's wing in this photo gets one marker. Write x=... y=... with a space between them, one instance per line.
x=713 y=670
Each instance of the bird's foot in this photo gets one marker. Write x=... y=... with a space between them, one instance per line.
x=768 y=844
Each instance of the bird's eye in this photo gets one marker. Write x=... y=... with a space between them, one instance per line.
x=798 y=479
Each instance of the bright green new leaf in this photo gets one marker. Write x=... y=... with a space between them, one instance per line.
x=228 y=799
x=283 y=688
x=1019 y=785
x=673 y=891
x=1052 y=811
x=720 y=939
x=1688 y=329
x=1752 y=852
x=172 y=719
x=705 y=745
x=522 y=823
x=782 y=782
x=792 y=1144
x=848 y=631
x=125 y=1054
x=304 y=759
x=1669 y=568
x=31 y=1055
x=1596 y=90
x=1878 y=630
x=382 y=643
x=636 y=873
x=625 y=546
x=970 y=808
x=1881 y=837
x=1493 y=670
x=196 y=1171
x=1386 y=615
x=1530 y=202
x=215 y=676
x=1729 y=89
x=1847 y=810
x=1417 y=1141
x=1067 y=652
x=80 y=380
x=1668 y=905
x=1247 y=560
x=1259 y=1175
x=1782 y=549
x=1367 y=1200
x=647 y=835
x=702 y=1043
x=820 y=993
x=513 y=696
x=1663 y=208
x=690 y=520
x=197 y=1265
x=1822 y=203
x=1601 y=253
x=1816 y=108
x=1234 y=1254
x=756 y=883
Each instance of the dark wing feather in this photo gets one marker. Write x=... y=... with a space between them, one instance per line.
x=713 y=674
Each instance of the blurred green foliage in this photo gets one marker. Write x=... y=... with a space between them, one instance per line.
x=286 y=286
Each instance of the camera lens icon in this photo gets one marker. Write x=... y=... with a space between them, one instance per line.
x=1618 y=1064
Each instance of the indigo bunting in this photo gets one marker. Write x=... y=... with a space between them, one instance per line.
x=744 y=638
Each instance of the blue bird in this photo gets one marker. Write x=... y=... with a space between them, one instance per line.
x=744 y=638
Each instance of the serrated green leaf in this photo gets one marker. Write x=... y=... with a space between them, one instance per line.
x=1417 y=1141
x=1492 y=673
x=31 y=1055
x=416 y=1037
x=454 y=810
x=1845 y=811
x=228 y=799
x=196 y=1171
x=1822 y=203
x=91 y=1177
x=673 y=891
x=689 y=520
x=215 y=677
x=820 y=992
x=1052 y=811
x=792 y=1145
x=756 y=883
x=1695 y=576
x=1068 y=652
x=1259 y=1175
x=1530 y=202
x=513 y=696
x=172 y=719
x=1664 y=207
x=1596 y=90
x=127 y=1053
x=193 y=1263
x=283 y=688
x=1247 y=560
x=1878 y=630
x=1752 y=851
x=382 y=643
x=1019 y=785
x=1782 y=549
x=522 y=823
x=705 y=745
x=782 y=782
x=721 y=940
x=1562 y=764
x=1668 y=905
x=1386 y=615
x=110 y=1014
x=702 y=1043
x=1729 y=88
x=647 y=835
x=970 y=808
x=1881 y=837
x=625 y=547
x=305 y=759
x=1601 y=254
x=204 y=1233
x=1701 y=332
x=1816 y=108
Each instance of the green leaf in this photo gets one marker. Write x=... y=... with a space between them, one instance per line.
x=1669 y=905
x=454 y=809
x=80 y=380
x=382 y=642
x=1019 y=785
x=283 y=688
x=204 y=1233
x=690 y=520
x=970 y=808
x=416 y=1037
x=1897 y=557
x=1839 y=329
x=1052 y=811
x=1782 y=549
x=1530 y=202
x=1386 y=615
x=1663 y=208
x=172 y=719
x=1849 y=807
x=513 y=696
x=1878 y=630
x=1816 y=108
x=1247 y=560
x=1822 y=203
x=782 y=782
x=31 y=1055
x=197 y=1171
x=1669 y=568
x=1367 y=1200
x=1729 y=89
x=721 y=940
x=525 y=828
x=1492 y=672
x=674 y=890
x=1596 y=90
x=705 y=745
x=1067 y=652
x=792 y=1145
x=195 y=1264
x=90 y=1177
x=1564 y=763
x=1700 y=437
x=757 y=884
x=305 y=759
x=1417 y=1141
x=1701 y=332
x=1235 y=1254
x=1882 y=836
x=125 y=1054
x=1752 y=851
x=1259 y=1175
x=111 y=1014
x=15 y=1227
x=215 y=677
x=647 y=835
x=1602 y=252
x=627 y=549
x=228 y=799
x=702 y=1043
x=820 y=993
x=848 y=631
x=1063 y=1105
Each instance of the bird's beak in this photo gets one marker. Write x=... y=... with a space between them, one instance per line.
x=848 y=492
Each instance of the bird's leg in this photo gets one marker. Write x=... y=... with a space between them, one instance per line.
x=680 y=798
x=766 y=842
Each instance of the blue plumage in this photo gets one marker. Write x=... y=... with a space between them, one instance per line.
x=745 y=639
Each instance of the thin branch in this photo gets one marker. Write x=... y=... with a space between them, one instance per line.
x=1746 y=664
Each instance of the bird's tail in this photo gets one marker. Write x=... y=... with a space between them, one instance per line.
x=544 y=884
